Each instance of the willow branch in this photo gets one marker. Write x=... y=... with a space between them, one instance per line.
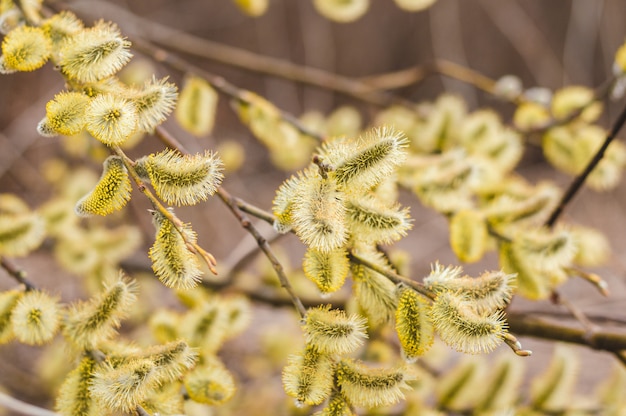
x=217 y=82
x=410 y=76
x=23 y=408
x=182 y=42
x=16 y=273
x=601 y=339
x=176 y=222
x=394 y=277
x=231 y=202
x=580 y=179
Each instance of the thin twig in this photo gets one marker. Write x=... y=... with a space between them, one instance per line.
x=601 y=339
x=262 y=242
x=182 y=42
x=410 y=76
x=22 y=408
x=234 y=205
x=176 y=222
x=394 y=277
x=216 y=82
x=14 y=271
x=580 y=179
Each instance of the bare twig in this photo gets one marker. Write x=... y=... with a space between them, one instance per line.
x=216 y=82
x=600 y=339
x=192 y=245
x=394 y=277
x=580 y=179
x=234 y=206
x=410 y=76
x=231 y=202
x=22 y=408
x=176 y=40
x=14 y=271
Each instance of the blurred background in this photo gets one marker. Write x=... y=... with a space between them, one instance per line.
x=545 y=43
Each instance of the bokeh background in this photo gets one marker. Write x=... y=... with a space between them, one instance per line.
x=545 y=43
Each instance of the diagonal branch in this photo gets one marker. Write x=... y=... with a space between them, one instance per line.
x=580 y=179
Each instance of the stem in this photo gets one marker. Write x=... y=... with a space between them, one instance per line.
x=18 y=274
x=600 y=339
x=231 y=202
x=22 y=408
x=394 y=277
x=178 y=224
x=580 y=179
x=216 y=82
x=234 y=205
x=409 y=76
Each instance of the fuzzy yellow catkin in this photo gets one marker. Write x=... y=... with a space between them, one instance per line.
x=111 y=119
x=504 y=383
x=197 y=106
x=328 y=270
x=372 y=221
x=164 y=325
x=165 y=400
x=95 y=53
x=465 y=329
x=375 y=294
x=65 y=114
x=238 y=313
x=171 y=360
x=318 y=213
x=545 y=248
x=74 y=397
x=488 y=292
x=35 y=318
x=342 y=11
x=25 y=48
x=468 y=235
x=183 y=179
x=376 y=155
x=89 y=323
x=205 y=327
x=337 y=406
x=553 y=390
x=308 y=377
x=210 y=383
x=60 y=26
x=371 y=387
x=282 y=205
x=110 y=194
x=172 y=261
x=153 y=103
x=124 y=387
x=413 y=325
x=8 y=300
x=21 y=233
x=332 y=331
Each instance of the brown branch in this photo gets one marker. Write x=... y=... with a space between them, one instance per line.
x=601 y=339
x=182 y=42
x=580 y=179
x=23 y=408
x=176 y=222
x=216 y=82
x=231 y=202
x=234 y=205
x=15 y=272
x=410 y=76
x=394 y=277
